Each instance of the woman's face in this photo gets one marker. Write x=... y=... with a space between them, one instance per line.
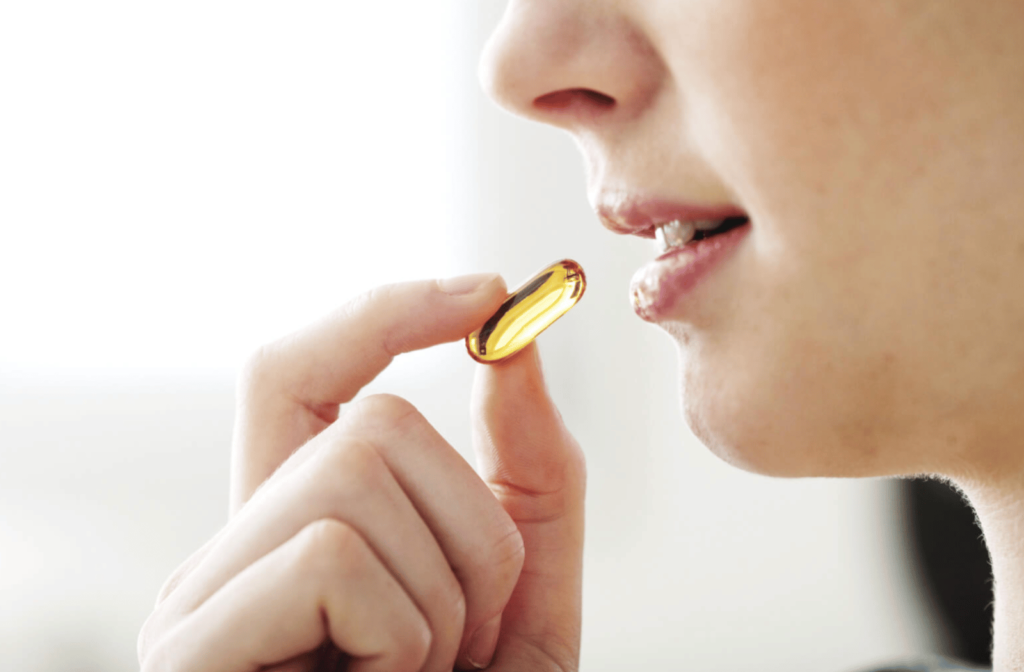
x=870 y=317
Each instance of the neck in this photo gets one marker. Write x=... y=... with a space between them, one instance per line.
x=1000 y=507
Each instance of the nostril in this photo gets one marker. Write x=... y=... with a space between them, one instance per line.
x=574 y=100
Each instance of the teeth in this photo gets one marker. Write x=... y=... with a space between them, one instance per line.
x=708 y=224
x=674 y=234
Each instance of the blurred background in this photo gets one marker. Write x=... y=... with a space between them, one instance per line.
x=181 y=182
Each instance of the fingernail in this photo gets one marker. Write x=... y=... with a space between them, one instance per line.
x=480 y=649
x=465 y=284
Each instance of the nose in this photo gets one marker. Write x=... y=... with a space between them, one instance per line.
x=571 y=63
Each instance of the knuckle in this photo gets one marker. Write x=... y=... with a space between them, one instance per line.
x=563 y=489
x=327 y=545
x=508 y=552
x=495 y=568
x=362 y=303
x=367 y=298
x=388 y=407
x=373 y=301
x=417 y=645
x=384 y=411
x=258 y=368
x=357 y=466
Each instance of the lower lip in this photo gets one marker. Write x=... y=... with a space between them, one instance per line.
x=658 y=286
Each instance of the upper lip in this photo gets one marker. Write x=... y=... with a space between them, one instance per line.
x=638 y=215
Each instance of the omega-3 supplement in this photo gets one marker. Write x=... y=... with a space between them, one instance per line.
x=528 y=311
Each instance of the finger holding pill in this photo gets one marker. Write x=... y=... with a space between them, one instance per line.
x=527 y=311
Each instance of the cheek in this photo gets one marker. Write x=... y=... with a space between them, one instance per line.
x=812 y=109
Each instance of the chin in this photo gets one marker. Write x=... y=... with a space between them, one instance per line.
x=740 y=440
x=752 y=420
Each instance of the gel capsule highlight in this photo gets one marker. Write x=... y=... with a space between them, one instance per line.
x=527 y=311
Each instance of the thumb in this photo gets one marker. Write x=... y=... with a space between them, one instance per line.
x=537 y=471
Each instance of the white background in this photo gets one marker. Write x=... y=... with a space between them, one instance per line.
x=180 y=183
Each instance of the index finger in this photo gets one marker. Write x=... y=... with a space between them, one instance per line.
x=290 y=390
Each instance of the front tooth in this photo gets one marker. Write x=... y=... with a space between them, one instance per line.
x=674 y=234
x=708 y=224
x=659 y=235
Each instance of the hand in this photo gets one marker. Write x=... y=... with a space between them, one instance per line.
x=370 y=533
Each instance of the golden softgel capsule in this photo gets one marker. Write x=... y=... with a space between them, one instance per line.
x=528 y=311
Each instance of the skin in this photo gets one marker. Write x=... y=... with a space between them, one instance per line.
x=868 y=325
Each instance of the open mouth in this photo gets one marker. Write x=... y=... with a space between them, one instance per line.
x=677 y=233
